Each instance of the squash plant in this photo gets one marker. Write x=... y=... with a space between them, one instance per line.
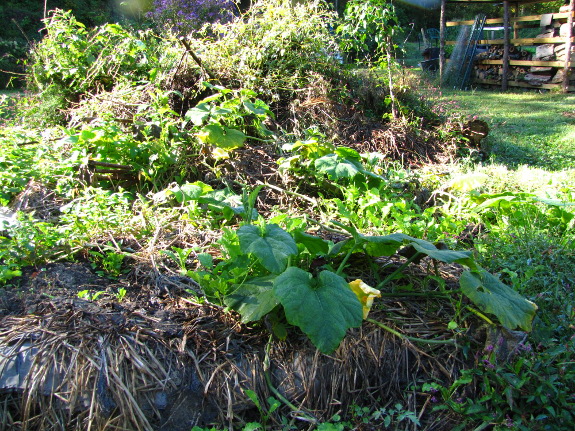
x=275 y=277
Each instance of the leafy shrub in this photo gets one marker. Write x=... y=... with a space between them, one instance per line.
x=367 y=28
x=276 y=48
x=72 y=60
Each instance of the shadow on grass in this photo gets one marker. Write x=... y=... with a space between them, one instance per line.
x=527 y=128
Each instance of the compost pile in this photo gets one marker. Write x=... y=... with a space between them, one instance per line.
x=148 y=348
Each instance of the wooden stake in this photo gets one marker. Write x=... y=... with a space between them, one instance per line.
x=442 y=41
x=506 y=23
x=568 y=46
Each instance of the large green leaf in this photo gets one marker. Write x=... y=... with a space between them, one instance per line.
x=492 y=296
x=335 y=167
x=190 y=191
x=443 y=255
x=384 y=245
x=199 y=114
x=324 y=308
x=314 y=244
x=222 y=137
x=253 y=299
x=273 y=246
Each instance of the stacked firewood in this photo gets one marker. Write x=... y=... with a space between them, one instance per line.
x=495 y=52
x=495 y=72
x=534 y=75
x=549 y=52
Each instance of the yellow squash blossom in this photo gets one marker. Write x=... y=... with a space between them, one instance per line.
x=365 y=294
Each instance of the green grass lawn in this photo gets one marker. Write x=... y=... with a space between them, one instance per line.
x=526 y=128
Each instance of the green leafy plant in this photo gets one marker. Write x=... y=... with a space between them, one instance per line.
x=88 y=295
x=265 y=413
x=221 y=205
x=529 y=393
x=72 y=59
x=385 y=416
x=367 y=27
x=271 y=278
x=223 y=118
x=121 y=294
x=109 y=261
x=180 y=256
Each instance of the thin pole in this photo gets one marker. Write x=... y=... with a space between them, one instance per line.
x=442 y=20
x=506 y=22
x=568 y=45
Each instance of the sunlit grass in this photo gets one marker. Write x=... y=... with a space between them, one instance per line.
x=527 y=128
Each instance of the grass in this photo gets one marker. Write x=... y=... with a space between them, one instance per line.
x=527 y=128
x=531 y=147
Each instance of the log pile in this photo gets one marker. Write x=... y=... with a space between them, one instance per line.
x=535 y=75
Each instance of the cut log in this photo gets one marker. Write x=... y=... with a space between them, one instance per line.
x=545 y=34
x=534 y=79
x=564 y=30
x=544 y=52
x=540 y=69
x=558 y=78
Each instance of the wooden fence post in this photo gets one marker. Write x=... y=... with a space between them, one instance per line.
x=506 y=23
x=568 y=46
x=442 y=41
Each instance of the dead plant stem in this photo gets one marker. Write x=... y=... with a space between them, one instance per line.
x=409 y=338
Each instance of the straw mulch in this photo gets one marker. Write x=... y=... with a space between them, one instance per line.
x=167 y=363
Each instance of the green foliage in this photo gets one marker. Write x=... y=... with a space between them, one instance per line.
x=16 y=168
x=367 y=29
x=532 y=392
x=271 y=245
x=304 y=298
x=28 y=242
x=95 y=212
x=109 y=261
x=73 y=60
x=222 y=118
x=276 y=47
x=107 y=142
x=494 y=297
x=262 y=272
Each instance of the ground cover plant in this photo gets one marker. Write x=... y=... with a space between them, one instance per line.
x=199 y=178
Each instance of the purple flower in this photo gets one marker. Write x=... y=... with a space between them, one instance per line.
x=488 y=364
x=185 y=16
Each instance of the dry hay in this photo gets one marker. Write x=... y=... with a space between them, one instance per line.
x=38 y=199
x=168 y=364
x=399 y=141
